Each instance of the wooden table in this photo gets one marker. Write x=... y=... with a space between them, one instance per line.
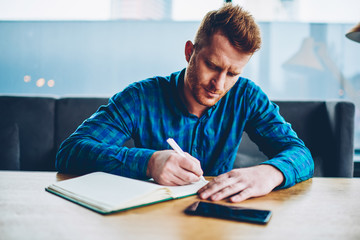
x=320 y=208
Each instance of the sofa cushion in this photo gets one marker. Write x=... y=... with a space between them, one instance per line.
x=9 y=146
x=34 y=117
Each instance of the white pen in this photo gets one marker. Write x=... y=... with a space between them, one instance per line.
x=178 y=150
x=175 y=146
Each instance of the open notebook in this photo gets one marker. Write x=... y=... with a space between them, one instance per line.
x=106 y=193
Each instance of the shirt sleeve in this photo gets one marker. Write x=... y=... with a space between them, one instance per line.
x=277 y=140
x=97 y=144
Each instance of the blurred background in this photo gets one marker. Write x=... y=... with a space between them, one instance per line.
x=98 y=47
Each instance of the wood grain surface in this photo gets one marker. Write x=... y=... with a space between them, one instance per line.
x=320 y=208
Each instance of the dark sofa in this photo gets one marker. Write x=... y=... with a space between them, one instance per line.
x=32 y=129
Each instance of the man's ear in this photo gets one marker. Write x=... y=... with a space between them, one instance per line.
x=189 y=48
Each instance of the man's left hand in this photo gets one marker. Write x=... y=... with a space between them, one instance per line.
x=242 y=183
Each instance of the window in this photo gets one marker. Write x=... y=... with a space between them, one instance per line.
x=100 y=46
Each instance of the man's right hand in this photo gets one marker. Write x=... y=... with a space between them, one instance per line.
x=170 y=168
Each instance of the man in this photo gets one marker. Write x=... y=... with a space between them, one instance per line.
x=205 y=108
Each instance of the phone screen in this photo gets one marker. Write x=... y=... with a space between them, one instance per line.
x=229 y=212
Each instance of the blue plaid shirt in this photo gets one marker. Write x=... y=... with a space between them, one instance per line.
x=151 y=111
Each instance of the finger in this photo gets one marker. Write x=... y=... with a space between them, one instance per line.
x=196 y=166
x=218 y=182
x=197 y=161
x=166 y=180
x=179 y=166
x=167 y=174
x=217 y=185
x=227 y=191
x=173 y=174
x=170 y=179
x=243 y=195
x=177 y=181
x=187 y=177
x=190 y=165
x=184 y=175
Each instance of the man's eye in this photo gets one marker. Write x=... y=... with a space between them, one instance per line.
x=230 y=74
x=211 y=66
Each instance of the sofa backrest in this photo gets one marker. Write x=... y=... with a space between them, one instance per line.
x=71 y=112
x=326 y=127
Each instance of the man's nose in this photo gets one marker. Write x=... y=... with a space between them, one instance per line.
x=218 y=81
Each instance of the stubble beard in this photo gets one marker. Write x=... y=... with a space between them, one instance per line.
x=198 y=92
x=196 y=88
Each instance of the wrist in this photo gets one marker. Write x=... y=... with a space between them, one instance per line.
x=150 y=165
x=277 y=178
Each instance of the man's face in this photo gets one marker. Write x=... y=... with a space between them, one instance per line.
x=211 y=72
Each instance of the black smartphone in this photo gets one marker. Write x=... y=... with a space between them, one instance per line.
x=229 y=212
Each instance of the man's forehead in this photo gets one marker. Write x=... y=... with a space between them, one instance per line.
x=221 y=61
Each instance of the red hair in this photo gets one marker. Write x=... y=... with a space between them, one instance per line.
x=235 y=23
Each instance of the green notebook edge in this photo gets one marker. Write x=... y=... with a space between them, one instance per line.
x=110 y=212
